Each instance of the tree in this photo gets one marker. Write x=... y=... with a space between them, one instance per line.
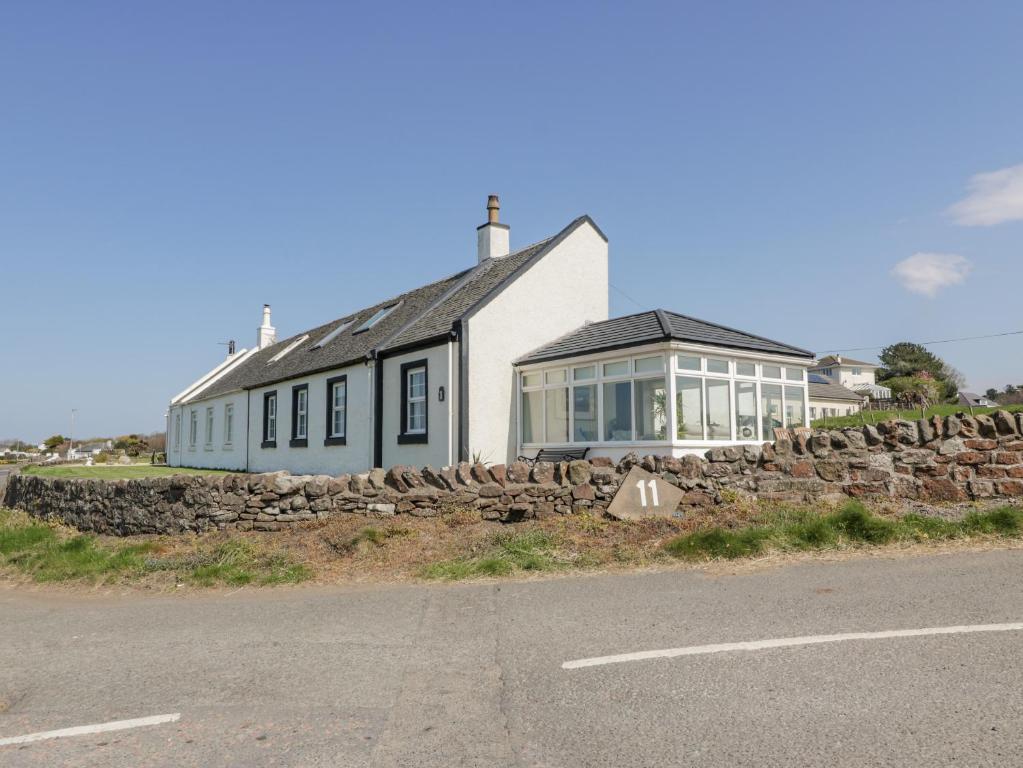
x=908 y=360
x=920 y=390
x=54 y=442
x=1010 y=390
x=991 y=394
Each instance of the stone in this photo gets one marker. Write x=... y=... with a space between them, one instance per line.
x=971 y=457
x=925 y=429
x=952 y=426
x=872 y=436
x=377 y=478
x=802 y=469
x=1009 y=457
x=941 y=489
x=518 y=472
x=981 y=444
x=602 y=461
x=583 y=493
x=642 y=494
x=907 y=432
x=1009 y=487
x=463 y=471
x=299 y=503
x=1005 y=424
x=832 y=471
x=480 y=473
x=543 y=472
x=500 y=473
x=394 y=479
x=491 y=490
x=380 y=509
x=579 y=472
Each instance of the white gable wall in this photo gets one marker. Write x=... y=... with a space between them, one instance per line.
x=315 y=458
x=563 y=290
x=214 y=455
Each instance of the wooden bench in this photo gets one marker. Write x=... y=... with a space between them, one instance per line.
x=556 y=455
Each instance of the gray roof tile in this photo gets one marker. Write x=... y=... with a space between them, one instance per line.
x=653 y=326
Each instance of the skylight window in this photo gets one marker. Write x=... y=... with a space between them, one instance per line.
x=288 y=348
x=332 y=335
x=376 y=317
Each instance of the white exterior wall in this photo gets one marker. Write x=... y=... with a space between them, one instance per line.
x=315 y=458
x=843 y=374
x=217 y=454
x=563 y=290
x=441 y=428
x=842 y=407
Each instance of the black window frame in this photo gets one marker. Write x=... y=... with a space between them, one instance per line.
x=267 y=443
x=404 y=438
x=299 y=442
x=329 y=420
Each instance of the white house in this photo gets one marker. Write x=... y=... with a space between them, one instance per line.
x=484 y=364
x=856 y=375
x=828 y=399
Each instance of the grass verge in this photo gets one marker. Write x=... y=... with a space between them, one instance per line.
x=503 y=554
x=114 y=471
x=53 y=553
x=851 y=525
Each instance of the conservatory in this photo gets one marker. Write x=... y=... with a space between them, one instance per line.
x=660 y=383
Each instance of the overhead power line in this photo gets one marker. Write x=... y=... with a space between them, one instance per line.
x=939 y=341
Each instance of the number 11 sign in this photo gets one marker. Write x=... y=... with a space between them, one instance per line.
x=644 y=494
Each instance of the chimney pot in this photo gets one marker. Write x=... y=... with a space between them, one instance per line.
x=266 y=334
x=493 y=208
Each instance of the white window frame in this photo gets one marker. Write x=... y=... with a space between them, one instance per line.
x=302 y=414
x=228 y=425
x=271 y=418
x=177 y=431
x=208 y=432
x=671 y=371
x=336 y=410
x=193 y=428
x=410 y=399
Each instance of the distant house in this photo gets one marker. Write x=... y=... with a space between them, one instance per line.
x=975 y=400
x=85 y=451
x=856 y=375
x=509 y=356
x=828 y=399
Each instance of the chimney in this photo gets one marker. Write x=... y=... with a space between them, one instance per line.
x=267 y=334
x=492 y=237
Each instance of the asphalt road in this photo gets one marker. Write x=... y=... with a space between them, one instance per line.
x=472 y=675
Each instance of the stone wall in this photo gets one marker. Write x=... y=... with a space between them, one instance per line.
x=958 y=458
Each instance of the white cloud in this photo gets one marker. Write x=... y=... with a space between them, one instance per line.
x=928 y=273
x=993 y=198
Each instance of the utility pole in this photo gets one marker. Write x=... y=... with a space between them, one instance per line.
x=71 y=436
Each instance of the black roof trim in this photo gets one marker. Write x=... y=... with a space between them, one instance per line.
x=662 y=318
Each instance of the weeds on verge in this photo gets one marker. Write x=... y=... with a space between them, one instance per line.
x=502 y=554
x=49 y=553
x=851 y=525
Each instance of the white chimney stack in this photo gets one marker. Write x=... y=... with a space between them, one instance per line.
x=267 y=334
x=492 y=237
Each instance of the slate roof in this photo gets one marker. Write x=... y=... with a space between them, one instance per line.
x=421 y=315
x=821 y=388
x=650 y=327
x=833 y=360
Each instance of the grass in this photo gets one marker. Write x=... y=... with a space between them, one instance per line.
x=115 y=471
x=52 y=553
x=876 y=417
x=503 y=554
x=851 y=525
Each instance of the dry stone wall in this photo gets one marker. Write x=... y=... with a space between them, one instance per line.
x=958 y=458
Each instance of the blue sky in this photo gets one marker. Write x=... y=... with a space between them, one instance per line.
x=165 y=169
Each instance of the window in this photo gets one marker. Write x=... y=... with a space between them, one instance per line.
x=177 y=430
x=299 y=416
x=287 y=349
x=209 y=427
x=771 y=371
x=770 y=409
x=376 y=317
x=793 y=406
x=332 y=335
x=813 y=412
x=745 y=369
x=719 y=411
x=746 y=411
x=584 y=373
x=269 y=420
x=651 y=401
x=621 y=368
x=687 y=362
x=717 y=366
x=689 y=407
x=531 y=380
x=532 y=416
x=649 y=364
x=556 y=415
x=193 y=428
x=794 y=374
x=228 y=424
x=584 y=412
x=618 y=410
x=337 y=410
x=413 y=403
x=555 y=377
x=857 y=371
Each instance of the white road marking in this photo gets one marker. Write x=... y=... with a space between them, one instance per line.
x=81 y=730
x=785 y=642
